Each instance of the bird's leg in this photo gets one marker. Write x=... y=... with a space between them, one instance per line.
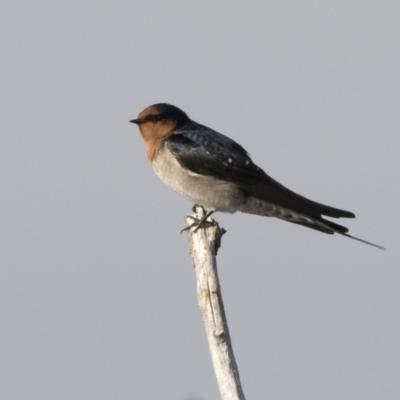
x=198 y=222
x=203 y=220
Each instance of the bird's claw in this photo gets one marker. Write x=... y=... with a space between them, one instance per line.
x=198 y=223
x=190 y=226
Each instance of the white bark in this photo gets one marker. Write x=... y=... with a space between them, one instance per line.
x=204 y=244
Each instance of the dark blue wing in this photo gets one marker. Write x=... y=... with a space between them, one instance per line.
x=207 y=152
x=204 y=151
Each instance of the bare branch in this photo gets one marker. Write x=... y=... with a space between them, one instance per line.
x=204 y=244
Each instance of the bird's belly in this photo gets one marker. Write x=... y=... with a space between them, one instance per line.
x=203 y=190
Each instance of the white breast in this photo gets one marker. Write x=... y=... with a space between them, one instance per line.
x=200 y=189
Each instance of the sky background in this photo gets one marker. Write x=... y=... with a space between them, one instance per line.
x=97 y=290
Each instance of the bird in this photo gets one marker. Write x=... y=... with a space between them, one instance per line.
x=213 y=171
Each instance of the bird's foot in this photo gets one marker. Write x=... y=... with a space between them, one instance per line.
x=198 y=222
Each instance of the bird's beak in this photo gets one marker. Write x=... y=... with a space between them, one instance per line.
x=135 y=121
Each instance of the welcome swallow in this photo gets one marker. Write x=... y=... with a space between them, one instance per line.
x=214 y=171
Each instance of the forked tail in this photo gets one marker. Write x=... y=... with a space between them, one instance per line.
x=362 y=241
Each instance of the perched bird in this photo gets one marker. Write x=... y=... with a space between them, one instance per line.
x=214 y=171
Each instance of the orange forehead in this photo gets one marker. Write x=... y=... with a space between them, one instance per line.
x=148 y=111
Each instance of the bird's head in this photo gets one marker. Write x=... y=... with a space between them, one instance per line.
x=159 y=121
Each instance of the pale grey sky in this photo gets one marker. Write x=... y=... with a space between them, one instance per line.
x=97 y=291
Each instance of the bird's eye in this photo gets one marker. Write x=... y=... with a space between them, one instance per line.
x=155 y=118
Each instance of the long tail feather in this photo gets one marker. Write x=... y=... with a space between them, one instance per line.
x=363 y=241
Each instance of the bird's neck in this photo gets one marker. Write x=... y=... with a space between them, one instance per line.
x=154 y=136
x=153 y=148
